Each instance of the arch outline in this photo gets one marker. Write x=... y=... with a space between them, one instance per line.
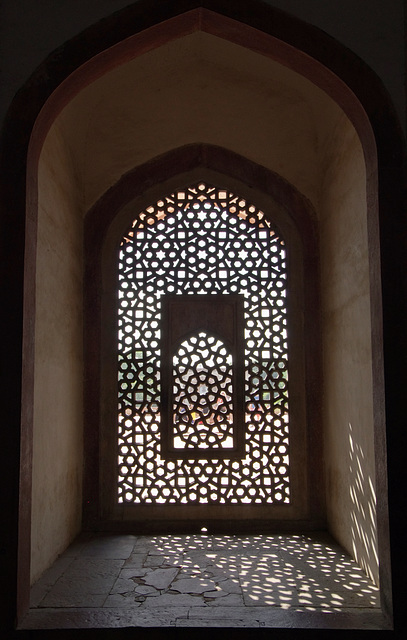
x=14 y=189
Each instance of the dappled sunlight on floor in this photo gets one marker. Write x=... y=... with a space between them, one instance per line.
x=173 y=579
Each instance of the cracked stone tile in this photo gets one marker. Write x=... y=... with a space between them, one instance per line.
x=197 y=543
x=163 y=560
x=119 y=600
x=137 y=573
x=213 y=577
x=211 y=562
x=228 y=600
x=164 y=550
x=217 y=593
x=210 y=572
x=143 y=544
x=191 y=571
x=146 y=590
x=123 y=585
x=135 y=560
x=161 y=578
x=193 y=585
x=205 y=571
x=230 y=586
x=216 y=572
x=199 y=557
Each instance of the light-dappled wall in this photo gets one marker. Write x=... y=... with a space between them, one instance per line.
x=203 y=89
x=347 y=350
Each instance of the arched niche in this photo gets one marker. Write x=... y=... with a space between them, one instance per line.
x=212 y=91
x=78 y=153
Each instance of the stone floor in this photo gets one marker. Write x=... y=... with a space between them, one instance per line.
x=204 y=580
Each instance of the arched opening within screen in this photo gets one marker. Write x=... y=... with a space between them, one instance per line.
x=203 y=241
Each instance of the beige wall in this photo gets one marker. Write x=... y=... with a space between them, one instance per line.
x=199 y=88
x=202 y=89
x=57 y=437
x=348 y=391
x=373 y=30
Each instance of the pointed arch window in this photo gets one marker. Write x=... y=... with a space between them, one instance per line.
x=202 y=382
x=203 y=409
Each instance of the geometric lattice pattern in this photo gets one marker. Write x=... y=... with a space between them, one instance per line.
x=203 y=240
x=202 y=394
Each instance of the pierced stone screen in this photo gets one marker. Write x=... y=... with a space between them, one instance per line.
x=202 y=395
x=202 y=362
x=203 y=241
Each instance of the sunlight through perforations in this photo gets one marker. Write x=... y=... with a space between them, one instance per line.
x=203 y=240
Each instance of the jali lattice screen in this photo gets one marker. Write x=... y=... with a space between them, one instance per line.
x=203 y=240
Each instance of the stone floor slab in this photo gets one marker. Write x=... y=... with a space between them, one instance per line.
x=228 y=600
x=123 y=585
x=228 y=623
x=46 y=582
x=83 y=583
x=161 y=578
x=208 y=581
x=112 y=547
x=121 y=600
x=230 y=585
x=176 y=600
x=137 y=573
x=193 y=585
x=135 y=560
x=160 y=560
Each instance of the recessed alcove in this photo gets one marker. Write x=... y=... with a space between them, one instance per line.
x=203 y=89
x=204 y=580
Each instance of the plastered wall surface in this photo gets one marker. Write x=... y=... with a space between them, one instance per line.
x=57 y=433
x=201 y=89
x=373 y=29
x=347 y=352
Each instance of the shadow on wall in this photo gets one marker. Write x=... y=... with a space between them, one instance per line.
x=363 y=513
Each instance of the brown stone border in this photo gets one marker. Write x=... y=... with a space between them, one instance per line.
x=101 y=225
x=343 y=73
